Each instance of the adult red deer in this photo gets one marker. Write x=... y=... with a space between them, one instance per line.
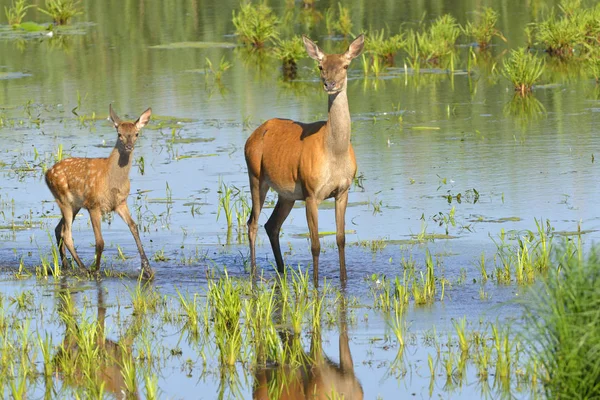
x=309 y=162
x=100 y=185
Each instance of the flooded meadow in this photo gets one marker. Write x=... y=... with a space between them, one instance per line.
x=467 y=197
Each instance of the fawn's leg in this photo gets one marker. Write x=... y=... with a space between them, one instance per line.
x=258 y=192
x=273 y=227
x=312 y=217
x=123 y=211
x=341 y=202
x=66 y=231
x=96 y=218
x=58 y=232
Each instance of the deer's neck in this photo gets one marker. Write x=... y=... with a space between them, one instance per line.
x=338 y=139
x=119 y=165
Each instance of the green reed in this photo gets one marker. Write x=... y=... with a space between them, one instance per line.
x=561 y=320
x=438 y=41
x=62 y=11
x=384 y=47
x=255 y=24
x=17 y=11
x=344 y=24
x=523 y=69
x=289 y=52
x=484 y=30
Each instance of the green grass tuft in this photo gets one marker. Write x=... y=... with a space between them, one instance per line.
x=523 y=69
x=255 y=25
x=562 y=317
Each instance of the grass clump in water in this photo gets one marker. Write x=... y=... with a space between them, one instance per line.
x=439 y=40
x=61 y=11
x=562 y=317
x=255 y=25
x=560 y=35
x=17 y=11
x=289 y=52
x=484 y=30
x=523 y=69
x=385 y=48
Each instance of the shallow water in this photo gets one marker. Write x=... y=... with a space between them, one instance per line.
x=418 y=139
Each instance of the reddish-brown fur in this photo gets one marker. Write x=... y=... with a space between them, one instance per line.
x=309 y=162
x=100 y=185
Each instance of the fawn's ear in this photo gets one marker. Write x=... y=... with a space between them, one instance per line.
x=355 y=47
x=113 y=116
x=312 y=49
x=143 y=119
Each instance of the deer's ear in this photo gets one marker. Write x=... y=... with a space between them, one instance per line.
x=355 y=47
x=312 y=49
x=143 y=119
x=113 y=116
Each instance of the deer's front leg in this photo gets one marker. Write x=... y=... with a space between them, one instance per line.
x=312 y=217
x=96 y=218
x=124 y=213
x=341 y=202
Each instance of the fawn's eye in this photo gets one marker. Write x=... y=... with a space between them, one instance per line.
x=321 y=67
x=137 y=134
x=345 y=67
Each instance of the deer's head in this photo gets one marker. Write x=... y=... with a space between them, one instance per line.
x=128 y=131
x=334 y=67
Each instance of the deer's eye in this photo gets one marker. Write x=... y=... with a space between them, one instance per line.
x=321 y=67
x=345 y=67
x=137 y=134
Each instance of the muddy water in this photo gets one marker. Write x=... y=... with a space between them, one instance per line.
x=418 y=140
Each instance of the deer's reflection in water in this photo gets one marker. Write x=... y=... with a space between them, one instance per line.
x=310 y=375
x=87 y=360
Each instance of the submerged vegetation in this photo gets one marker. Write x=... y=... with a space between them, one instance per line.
x=523 y=69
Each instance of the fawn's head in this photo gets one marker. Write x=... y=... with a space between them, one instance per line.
x=334 y=67
x=128 y=131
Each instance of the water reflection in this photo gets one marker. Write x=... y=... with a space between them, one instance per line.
x=527 y=107
x=311 y=375
x=87 y=360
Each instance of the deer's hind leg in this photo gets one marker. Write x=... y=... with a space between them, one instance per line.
x=273 y=227
x=258 y=192
x=64 y=235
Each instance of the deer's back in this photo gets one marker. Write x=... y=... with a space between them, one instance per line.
x=82 y=182
x=293 y=159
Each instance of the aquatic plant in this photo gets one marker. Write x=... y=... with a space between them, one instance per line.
x=593 y=64
x=560 y=35
x=289 y=51
x=485 y=29
x=439 y=40
x=216 y=72
x=17 y=11
x=344 y=21
x=61 y=11
x=255 y=25
x=523 y=69
x=562 y=330
x=384 y=48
